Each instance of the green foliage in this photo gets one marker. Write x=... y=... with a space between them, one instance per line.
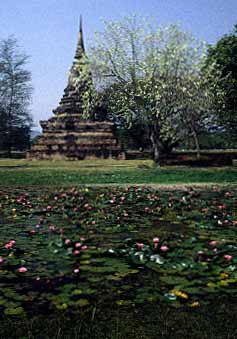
x=224 y=54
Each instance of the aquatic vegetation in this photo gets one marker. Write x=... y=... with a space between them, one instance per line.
x=69 y=250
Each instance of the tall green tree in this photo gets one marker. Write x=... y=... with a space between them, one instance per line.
x=224 y=54
x=157 y=73
x=15 y=97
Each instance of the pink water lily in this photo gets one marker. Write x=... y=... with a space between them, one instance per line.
x=228 y=257
x=164 y=248
x=1 y=260
x=156 y=240
x=77 y=244
x=76 y=270
x=67 y=241
x=22 y=269
x=213 y=243
x=10 y=244
x=84 y=247
x=76 y=252
x=139 y=245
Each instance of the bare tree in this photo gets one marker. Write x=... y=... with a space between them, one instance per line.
x=15 y=96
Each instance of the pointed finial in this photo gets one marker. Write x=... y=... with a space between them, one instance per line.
x=80 y=24
x=80 y=46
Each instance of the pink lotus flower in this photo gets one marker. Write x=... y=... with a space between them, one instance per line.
x=76 y=252
x=82 y=238
x=84 y=247
x=22 y=269
x=7 y=246
x=139 y=245
x=67 y=241
x=77 y=244
x=52 y=228
x=227 y=194
x=156 y=240
x=49 y=207
x=228 y=257
x=1 y=260
x=213 y=243
x=234 y=222
x=164 y=248
x=76 y=270
x=10 y=244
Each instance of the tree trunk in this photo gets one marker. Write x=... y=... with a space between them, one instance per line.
x=9 y=153
x=196 y=144
x=156 y=153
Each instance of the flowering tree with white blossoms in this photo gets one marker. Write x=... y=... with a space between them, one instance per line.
x=158 y=79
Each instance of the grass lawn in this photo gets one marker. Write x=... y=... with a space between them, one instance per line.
x=117 y=262
x=22 y=173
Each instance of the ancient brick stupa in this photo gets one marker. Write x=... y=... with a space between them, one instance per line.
x=69 y=135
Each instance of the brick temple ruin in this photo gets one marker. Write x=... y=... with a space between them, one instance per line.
x=68 y=134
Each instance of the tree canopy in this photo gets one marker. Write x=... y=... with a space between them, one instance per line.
x=158 y=78
x=224 y=54
x=15 y=97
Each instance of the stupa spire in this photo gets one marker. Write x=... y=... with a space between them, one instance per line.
x=80 y=50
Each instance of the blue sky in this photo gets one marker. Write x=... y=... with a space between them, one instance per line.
x=47 y=31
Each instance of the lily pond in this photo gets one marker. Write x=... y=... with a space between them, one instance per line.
x=70 y=250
